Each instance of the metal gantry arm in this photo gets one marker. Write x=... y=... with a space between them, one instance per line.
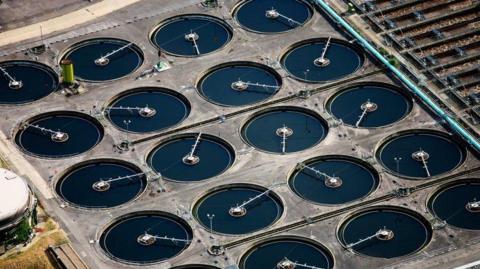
x=274 y=14
x=12 y=82
x=193 y=37
x=55 y=136
x=422 y=156
x=191 y=158
x=366 y=108
x=284 y=142
x=104 y=60
x=330 y=181
x=288 y=264
x=325 y=48
x=241 y=85
x=147 y=239
x=351 y=245
x=145 y=111
x=241 y=210
x=317 y=172
x=284 y=132
x=322 y=61
x=383 y=234
x=104 y=184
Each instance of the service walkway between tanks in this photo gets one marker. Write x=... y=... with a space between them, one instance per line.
x=23 y=167
x=63 y=22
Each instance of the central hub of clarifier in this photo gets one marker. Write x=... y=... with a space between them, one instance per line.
x=369 y=106
x=385 y=234
x=146 y=239
x=239 y=85
x=190 y=159
x=237 y=211
x=102 y=61
x=420 y=156
x=101 y=186
x=15 y=84
x=321 y=62
x=285 y=264
x=59 y=137
x=333 y=182
x=272 y=14
x=473 y=207
x=192 y=37
x=147 y=112
x=284 y=131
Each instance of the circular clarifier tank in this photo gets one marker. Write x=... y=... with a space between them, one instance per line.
x=191 y=35
x=101 y=183
x=420 y=154
x=370 y=105
x=238 y=209
x=333 y=179
x=191 y=157
x=272 y=16
x=287 y=252
x=284 y=129
x=25 y=81
x=147 y=109
x=385 y=232
x=457 y=204
x=322 y=59
x=146 y=237
x=103 y=59
x=59 y=134
x=239 y=83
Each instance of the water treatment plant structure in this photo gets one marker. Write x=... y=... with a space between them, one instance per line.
x=196 y=139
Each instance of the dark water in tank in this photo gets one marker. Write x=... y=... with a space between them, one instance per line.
x=269 y=254
x=121 y=63
x=261 y=213
x=120 y=239
x=38 y=81
x=251 y=15
x=215 y=158
x=357 y=181
x=76 y=186
x=260 y=131
x=83 y=135
x=445 y=155
x=449 y=205
x=217 y=85
x=170 y=110
x=212 y=33
x=343 y=61
x=410 y=234
x=391 y=106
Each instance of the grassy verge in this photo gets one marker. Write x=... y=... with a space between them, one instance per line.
x=34 y=256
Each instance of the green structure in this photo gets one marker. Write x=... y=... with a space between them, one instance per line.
x=67 y=72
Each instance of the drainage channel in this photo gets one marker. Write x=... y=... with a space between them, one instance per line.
x=402 y=192
x=301 y=94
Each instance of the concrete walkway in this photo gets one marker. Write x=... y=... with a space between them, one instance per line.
x=63 y=22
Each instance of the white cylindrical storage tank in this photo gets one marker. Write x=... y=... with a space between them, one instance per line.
x=15 y=199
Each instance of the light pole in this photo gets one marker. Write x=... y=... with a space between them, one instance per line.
x=210 y=218
x=305 y=73
x=397 y=161
x=127 y=123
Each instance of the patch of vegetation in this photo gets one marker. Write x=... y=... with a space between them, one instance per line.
x=20 y=234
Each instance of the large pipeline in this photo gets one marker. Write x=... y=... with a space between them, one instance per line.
x=417 y=91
